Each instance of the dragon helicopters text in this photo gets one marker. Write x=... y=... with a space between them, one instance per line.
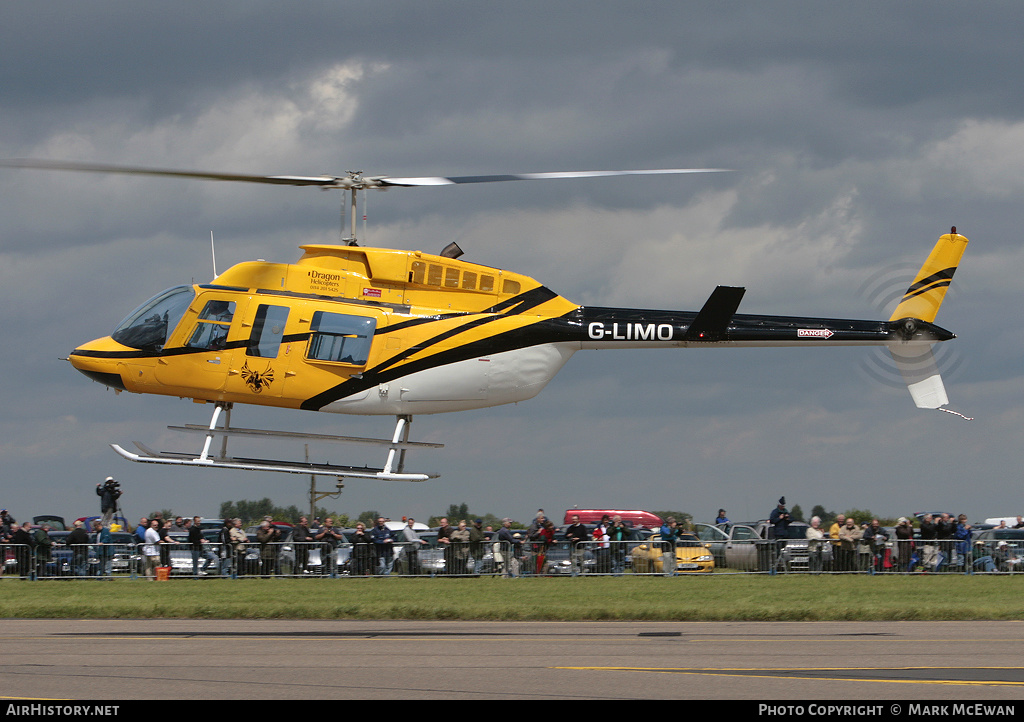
x=374 y=331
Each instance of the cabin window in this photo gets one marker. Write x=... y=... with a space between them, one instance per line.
x=434 y=274
x=486 y=283
x=510 y=287
x=340 y=338
x=469 y=281
x=451 y=277
x=267 y=331
x=418 y=273
x=211 y=331
x=147 y=327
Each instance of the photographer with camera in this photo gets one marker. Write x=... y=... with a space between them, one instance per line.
x=108 y=492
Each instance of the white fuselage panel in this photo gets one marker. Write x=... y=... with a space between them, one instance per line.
x=501 y=378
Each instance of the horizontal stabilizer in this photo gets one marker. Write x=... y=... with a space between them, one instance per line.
x=713 y=318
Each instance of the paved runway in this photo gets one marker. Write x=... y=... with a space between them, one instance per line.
x=315 y=660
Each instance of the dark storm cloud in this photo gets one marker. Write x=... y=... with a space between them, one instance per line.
x=859 y=133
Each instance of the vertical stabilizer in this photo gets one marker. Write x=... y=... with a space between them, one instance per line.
x=923 y=298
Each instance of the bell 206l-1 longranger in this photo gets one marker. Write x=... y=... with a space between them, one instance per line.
x=373 y=331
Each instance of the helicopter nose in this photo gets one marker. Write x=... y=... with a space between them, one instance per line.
x=99 y=361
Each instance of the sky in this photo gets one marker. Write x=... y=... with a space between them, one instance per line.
x=857 y=134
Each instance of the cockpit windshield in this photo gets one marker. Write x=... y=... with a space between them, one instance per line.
x=146 y=328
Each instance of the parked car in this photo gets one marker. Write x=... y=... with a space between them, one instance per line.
x=690 y=555
x=56 y=522
x=431 y=557
x=748 y=548
x=715 y=539
x=558 y=559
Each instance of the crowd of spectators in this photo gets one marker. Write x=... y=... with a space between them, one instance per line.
x=939 y=542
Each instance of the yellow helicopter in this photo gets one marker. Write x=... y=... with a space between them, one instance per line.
x=373 y=331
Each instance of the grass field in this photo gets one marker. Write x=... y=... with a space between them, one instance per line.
x=715 y=598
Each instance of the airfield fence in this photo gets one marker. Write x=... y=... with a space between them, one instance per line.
x=317 y=560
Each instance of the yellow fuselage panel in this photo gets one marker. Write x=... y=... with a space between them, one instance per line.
x=385 y=276
x=424 y=311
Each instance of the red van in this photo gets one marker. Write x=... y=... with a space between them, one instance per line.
x=634 y=517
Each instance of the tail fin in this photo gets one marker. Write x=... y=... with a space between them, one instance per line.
x=923 y=298
x=921 y=302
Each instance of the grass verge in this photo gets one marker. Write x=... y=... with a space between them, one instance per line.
x=716 y=598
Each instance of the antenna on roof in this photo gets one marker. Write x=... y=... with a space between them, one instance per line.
x=213 y=251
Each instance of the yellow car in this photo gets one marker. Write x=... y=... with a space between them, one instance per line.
x=691 y=554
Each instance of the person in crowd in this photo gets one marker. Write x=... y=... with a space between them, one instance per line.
x=7 y=525
x=721 y=518
x=945 y=533
x=21 y=538
x=778 y=532
x=1005 y=558
x=411 y=545
x=163 y=529
x=618 y=535
x=108 y=492
x=140 y=530
x=384 y=547
x=541 y=539
x=199 y=545
x=104 y=549
x=815 y=535
x=538 y=522
x=577 y=536
x=301 y=538
x=849 y=536
x=362 y=551
x=833 y=535
x=963 y=533
x=903 y=549
x=477 y=538
x=460 y=548
x=329 y=537
x=1020 y=523
x=178 y=527
x=239 y=541
x=226 y=550
x=268 y=537
x=444 y=541
x=602 y=546
x=44 y=549
x=983 y=561
x=875 y=538
x=507 y=545
x=151 y=548
x=929 y=549
x=78 y=541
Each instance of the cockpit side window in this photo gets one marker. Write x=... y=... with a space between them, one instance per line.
x=147 y=327
x=211 y=331
x=342 y=338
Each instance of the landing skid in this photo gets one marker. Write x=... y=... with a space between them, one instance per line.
x=393 y=469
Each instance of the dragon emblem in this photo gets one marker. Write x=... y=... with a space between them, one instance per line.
x=257 y=380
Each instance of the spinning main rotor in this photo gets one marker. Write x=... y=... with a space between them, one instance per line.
x=352 y=181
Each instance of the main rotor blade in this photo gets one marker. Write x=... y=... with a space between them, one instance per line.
x=328 y=181
x=455 y=180
x=353 y=180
